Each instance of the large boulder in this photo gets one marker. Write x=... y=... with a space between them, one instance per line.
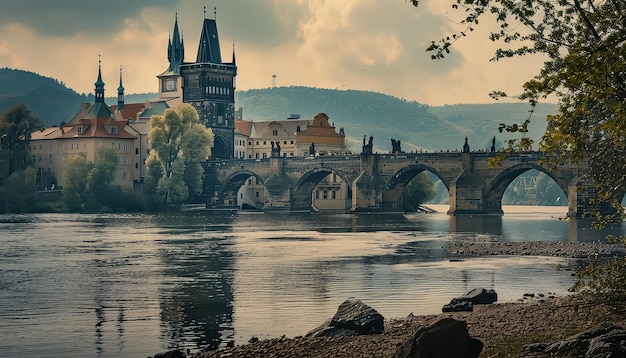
x=353 y=318
x=477 y=296
x=446 y=338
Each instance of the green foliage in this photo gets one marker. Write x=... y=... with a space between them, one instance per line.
x=17 y=194
x=605 y=280
x=584 y=44
x=179 y=143
x=16 y=126
x=419 y=190
x=88 y=185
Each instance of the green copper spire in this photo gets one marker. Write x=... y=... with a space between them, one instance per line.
x=120 y=93
x=99 y=83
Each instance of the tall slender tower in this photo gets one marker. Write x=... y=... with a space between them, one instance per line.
x=170 y=81
x=209 y=85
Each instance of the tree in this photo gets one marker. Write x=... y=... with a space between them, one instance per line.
x=16 y=126
x=419 y=190
x=179 y=143
x=584 y=42
x=76 y=193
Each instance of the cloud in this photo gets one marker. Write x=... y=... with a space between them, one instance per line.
x=71 y=17
x=373 y=45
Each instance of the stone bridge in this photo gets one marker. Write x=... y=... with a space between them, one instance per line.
x=377 y=181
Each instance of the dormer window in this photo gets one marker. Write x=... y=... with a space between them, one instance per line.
x=113 y=130
x=79 y=129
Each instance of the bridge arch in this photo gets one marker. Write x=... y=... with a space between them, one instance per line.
x=221 y=149
x=302 y=193
x=234 y=182
x=494 y=190
x=394 y=188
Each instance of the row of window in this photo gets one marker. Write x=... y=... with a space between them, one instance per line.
x=265 y=142
x=333 y=194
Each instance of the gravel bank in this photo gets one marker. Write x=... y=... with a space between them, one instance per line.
x=502 y=327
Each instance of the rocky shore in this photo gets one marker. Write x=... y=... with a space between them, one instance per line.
x=505 y=329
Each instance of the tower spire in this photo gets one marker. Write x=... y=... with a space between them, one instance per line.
x=120 y=92
x=99 y=90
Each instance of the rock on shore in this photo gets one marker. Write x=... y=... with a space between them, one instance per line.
x=500 y=326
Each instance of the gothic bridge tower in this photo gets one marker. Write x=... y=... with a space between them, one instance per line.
x=209 y=85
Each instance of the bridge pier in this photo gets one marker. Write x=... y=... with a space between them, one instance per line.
x=467 y=197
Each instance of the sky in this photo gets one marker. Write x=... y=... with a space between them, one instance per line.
x=369 y=45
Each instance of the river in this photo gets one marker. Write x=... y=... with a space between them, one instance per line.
x=132 y=285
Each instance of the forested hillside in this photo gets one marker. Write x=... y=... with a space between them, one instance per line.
x=361 y=113
x=417 y=125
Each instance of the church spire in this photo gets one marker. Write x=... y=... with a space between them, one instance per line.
x=234 y=62
x=99 y=91
x=175 y=49
x=120 y=93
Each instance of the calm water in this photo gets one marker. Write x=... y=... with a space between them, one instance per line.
x=133 y=285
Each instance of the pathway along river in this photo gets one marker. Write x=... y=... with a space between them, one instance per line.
x=113 y=285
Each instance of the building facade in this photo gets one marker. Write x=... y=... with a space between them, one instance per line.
x=292 y=137
x=93 y=127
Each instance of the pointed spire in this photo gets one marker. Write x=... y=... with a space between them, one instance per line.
x=120 y=92
x=99 y=91
x=234 y=62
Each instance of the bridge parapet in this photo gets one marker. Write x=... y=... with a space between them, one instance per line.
x=377 y=181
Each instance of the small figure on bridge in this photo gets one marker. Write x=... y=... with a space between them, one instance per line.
x=312 y=149
x=493 y=144
x=367 y=148
x=466 y=147
x=395 y=146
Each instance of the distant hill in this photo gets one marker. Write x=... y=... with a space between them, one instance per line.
x=417 y=125
x=47 y=98
x=360 y=113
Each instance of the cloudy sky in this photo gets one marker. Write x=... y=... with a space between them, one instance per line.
x=372 y=45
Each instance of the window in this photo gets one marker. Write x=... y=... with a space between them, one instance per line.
x=125 y=146
x=325 y=194
x=250 y=181
x=50 y=159
x=249 y=156
x=275 y=132
x=264 y=142
x=65 y=159
x=113 y=130
x=284 y=142
x=136 y=151
x=136 y=165
x=291 y=142
x=256 y=194
x=333 y=194
x=40 y=146
x=124 y=175
x=250 y=143
x=84 y=146
x=125 y=159
x=264 y=155
x=34 y=147
x=256 y=155
x=257 y=142
x=317 y=194
x=79 y=129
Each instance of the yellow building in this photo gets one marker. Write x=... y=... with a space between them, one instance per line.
x=93 y=126
x=296 y=137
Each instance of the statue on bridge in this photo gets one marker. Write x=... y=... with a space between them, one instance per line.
x=368 y=148
x=466 y=147
x=396 y=146
x=275 y=150
x=493 y=144
x=312 y=149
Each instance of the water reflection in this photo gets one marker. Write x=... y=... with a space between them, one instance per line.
x=197 y=295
